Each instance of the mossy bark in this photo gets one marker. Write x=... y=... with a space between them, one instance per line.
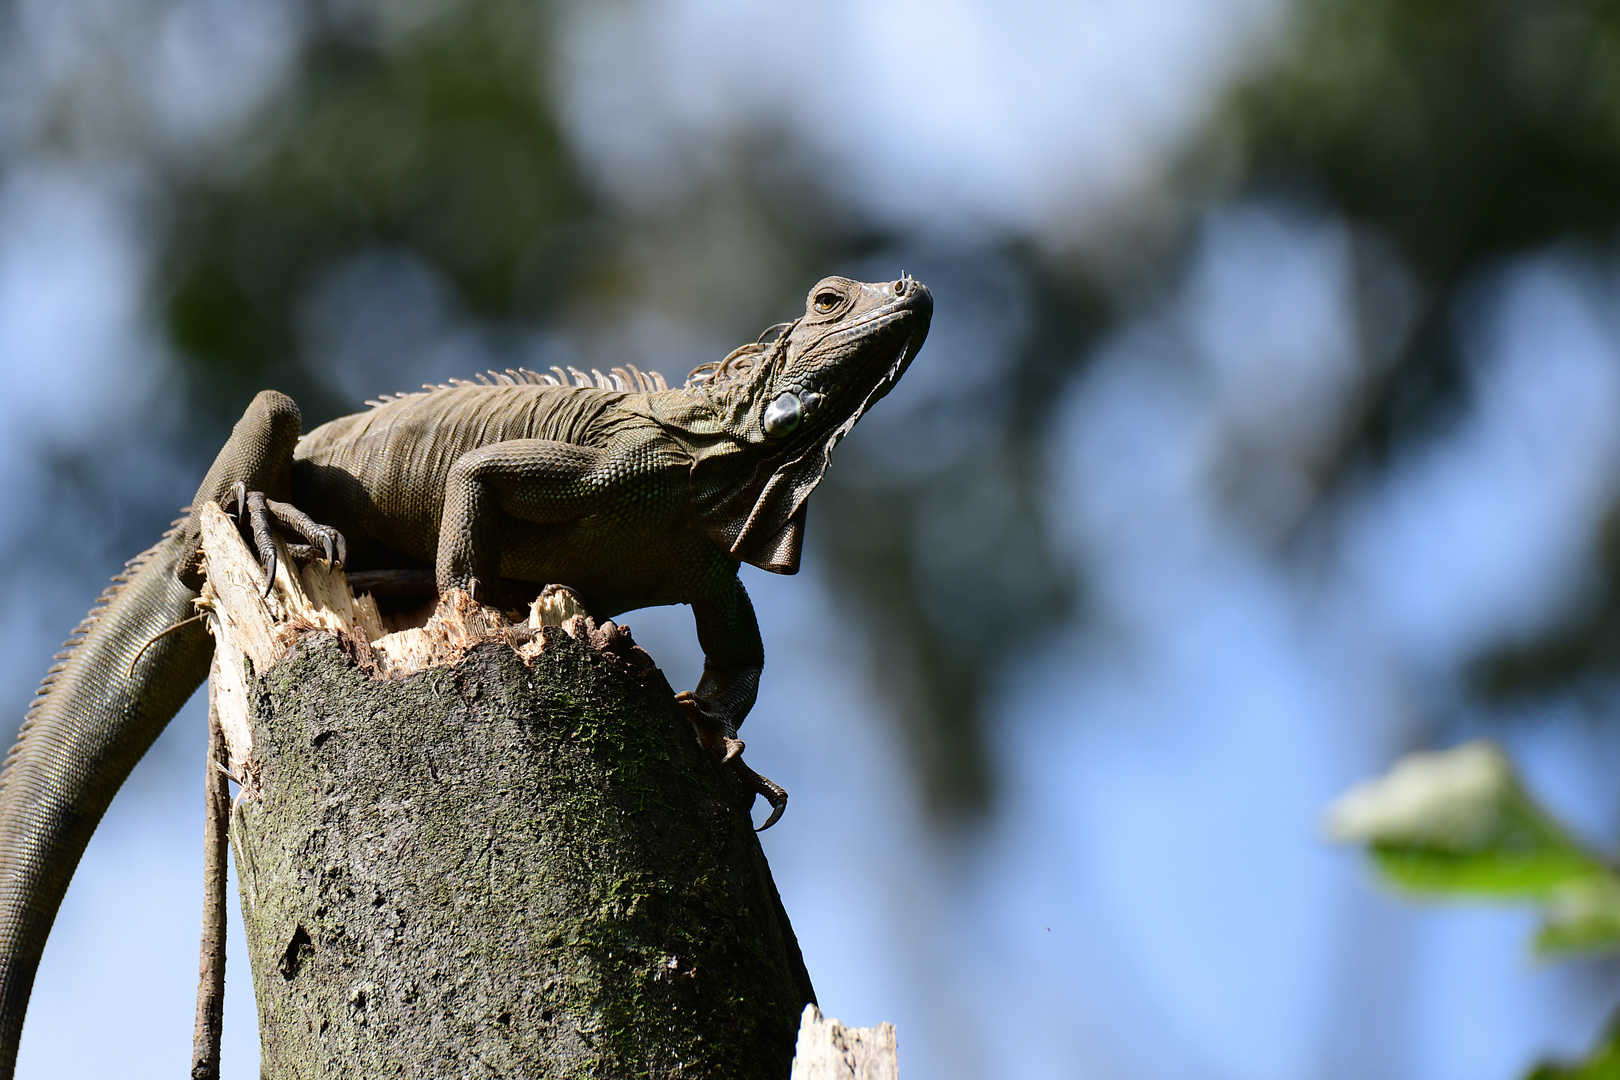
x=503 y=868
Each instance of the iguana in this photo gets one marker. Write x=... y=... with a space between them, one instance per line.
x=629 y=492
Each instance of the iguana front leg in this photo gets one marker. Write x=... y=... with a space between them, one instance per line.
x=264 y=515
x=733 y=657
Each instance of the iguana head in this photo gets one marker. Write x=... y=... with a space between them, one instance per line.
x=781 y=407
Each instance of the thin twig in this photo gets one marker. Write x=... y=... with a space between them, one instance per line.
x=211 y=964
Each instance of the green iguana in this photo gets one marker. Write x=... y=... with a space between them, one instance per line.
x=630 y=493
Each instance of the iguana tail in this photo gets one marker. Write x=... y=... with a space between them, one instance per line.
x=103 y=704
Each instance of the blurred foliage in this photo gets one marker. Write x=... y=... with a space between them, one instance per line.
x=437 y=139
x=1461 y=132
x=1459 y=824
x=1461 y=128
x=1602 y=1064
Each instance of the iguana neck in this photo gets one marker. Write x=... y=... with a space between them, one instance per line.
x=729 y=474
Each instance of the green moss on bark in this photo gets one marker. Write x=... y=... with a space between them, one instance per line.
x=504 y=869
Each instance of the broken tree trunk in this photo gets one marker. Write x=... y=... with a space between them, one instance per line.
x=472 y=849
x=830 y=1051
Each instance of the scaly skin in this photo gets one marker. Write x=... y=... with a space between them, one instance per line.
x=632 y=497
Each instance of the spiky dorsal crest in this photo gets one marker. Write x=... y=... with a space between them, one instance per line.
x=626 y=379
x=743 y=365
x=76 y=638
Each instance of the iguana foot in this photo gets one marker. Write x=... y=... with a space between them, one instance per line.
x=720 y=739
x=264 y=513
x=717 y=736
x=774 y=793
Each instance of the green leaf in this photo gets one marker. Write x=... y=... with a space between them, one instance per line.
x=1603 y=1064
x=1459 y=822
x=1510 y=871
x=1583 y=917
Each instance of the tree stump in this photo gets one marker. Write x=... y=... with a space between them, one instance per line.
x=828 y=1050
x=469 y=848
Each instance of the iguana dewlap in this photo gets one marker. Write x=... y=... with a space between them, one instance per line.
x=630 y=493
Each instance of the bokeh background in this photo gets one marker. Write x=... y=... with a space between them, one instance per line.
x=1269 y=428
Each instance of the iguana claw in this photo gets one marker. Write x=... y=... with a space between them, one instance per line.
x=264 y=513
x=763 y=785
x=720 y=739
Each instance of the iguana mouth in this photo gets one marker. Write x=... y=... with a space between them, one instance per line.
x=892 y=376
x=896 y=367
x=879 y=388
x=882 y=386
x=867 y=327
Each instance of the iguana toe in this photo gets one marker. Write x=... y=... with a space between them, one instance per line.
x=263 y=540
x=762 y=785
x=327 y=539
x=265 y=514
x=720 y=739
x=712 y=732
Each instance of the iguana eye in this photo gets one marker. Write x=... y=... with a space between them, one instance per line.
x=826 y=300
x=782 y=416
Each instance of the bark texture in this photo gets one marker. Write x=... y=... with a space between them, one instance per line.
x=513 y=867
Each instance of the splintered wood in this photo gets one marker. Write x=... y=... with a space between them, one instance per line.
x=828 y=1050
x=250 y=627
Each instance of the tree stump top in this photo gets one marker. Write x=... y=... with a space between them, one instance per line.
x=473 y=848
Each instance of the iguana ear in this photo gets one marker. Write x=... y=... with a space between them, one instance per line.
x=779 y=553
